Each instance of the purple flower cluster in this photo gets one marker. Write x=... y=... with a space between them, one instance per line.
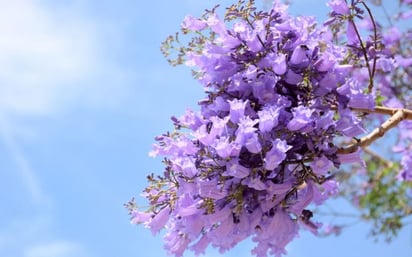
x=262 y=147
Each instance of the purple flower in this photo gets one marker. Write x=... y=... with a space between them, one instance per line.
x=321 y=166
x=351 y=158
x=276 y=154
x=406 y=15
x=219 y=125
x=299 y=55
x=362 y=101
x=279 y=90
x=240 y=27
x=140 y=217
x=203 y=135
x=255 y=183
x=304 y=197
x=339 y=6
x=252 y=143
x=200 y=246
x=210 y=189
x=159 y=220
x=193 y=24
x=302 y=118
x=187 y=206
x=233 y=168
x=224 y=148
x=392 y=36
x=349 y=124
x=191 y=120
x=263 y=89
x=268 y=118
x=402 y=61
x=279 y=64
x=292 y=77
x=237 y=109
x=186 y=166
x=176 y=243
x=385 y=64
x=351 y=34
x=286 y=229
x=405 y=174
x=325 y=62
x=245 y=134
x=216 y=24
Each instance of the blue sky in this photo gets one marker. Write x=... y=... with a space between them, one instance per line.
x=83 y=91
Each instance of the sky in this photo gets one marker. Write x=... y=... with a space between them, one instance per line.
x=83 y=91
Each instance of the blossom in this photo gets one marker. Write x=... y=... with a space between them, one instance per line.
x=339 y=6
x=302 y=119
x=321 y=166
x=268 y=118
x=159 y=220
x=276 y=154
x=191 y=23
x=279 y=90
x=237 y=109
x=299 y=55
x=406 y=172
x=233 y=168
x=352 y=35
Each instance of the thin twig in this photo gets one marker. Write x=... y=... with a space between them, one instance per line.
x=365 y=54
x=375 y=42
x=386 y=110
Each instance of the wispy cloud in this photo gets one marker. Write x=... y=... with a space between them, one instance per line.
x=34 y=191
x=51 y=59
x=56 y=249
x=48 y=57
x=32 y=237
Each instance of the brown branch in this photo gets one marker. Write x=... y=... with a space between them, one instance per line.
x=386 y=110
x=397 y=115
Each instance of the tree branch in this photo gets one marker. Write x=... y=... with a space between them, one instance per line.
x=386 y=110
x=397 y=115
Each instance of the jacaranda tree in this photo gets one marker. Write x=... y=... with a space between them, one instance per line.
x=290 y=109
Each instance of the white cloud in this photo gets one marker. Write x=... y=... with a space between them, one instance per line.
x=56 y=249
x=31 y=237
x=28 y=177
x=48 y=57
x=51 y=59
